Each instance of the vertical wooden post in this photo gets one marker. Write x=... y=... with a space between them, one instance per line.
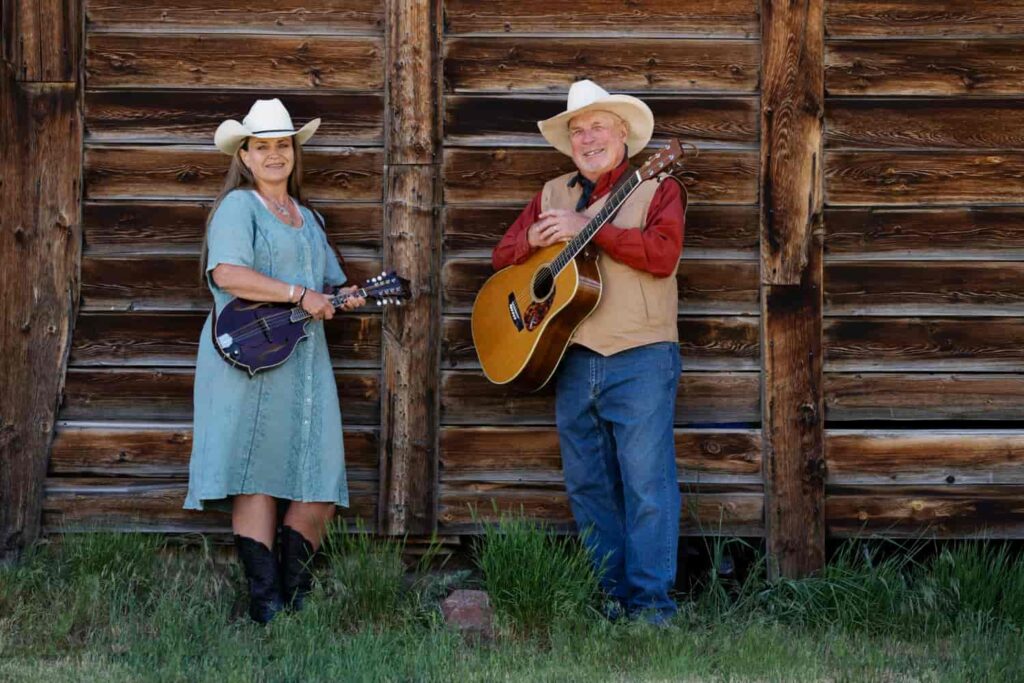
x=409 y=414
x=40 y=246
x=792 y=109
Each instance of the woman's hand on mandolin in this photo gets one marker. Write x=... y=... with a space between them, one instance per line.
x=317 y=305
x=354 y=302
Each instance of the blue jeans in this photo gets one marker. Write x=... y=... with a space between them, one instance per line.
x=614 y=417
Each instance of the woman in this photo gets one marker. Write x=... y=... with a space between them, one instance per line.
x=275 y=436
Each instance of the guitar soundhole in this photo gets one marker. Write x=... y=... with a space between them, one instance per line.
x=543 y=284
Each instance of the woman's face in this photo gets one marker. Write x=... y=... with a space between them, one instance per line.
x=270 y=160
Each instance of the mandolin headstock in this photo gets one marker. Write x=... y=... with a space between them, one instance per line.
x=666 y=158
x=387 y=289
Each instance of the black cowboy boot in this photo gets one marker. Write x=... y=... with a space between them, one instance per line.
x=264 y=581
x=296 y=567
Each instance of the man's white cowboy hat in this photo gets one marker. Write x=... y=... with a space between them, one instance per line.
x=266 y=119
x=589 y=96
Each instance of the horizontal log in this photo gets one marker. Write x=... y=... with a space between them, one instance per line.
x=165 y=339
x=996 y=124
x=953 y=177
x=706 y=399
x=539 y=64
x=705 y=343
x=188 y=172
x=241 y=62
x=192 y=116
x=494 y=176
x=733 y=18
x=518 y=455
x=904 y=18
x=923 y=397
x=927 y=512
x=166 y=394
x=139 y=227
x=290 y=16
x=148 y=505
x=924 y=288
x=164 y=283
x=721 y=287
x=975 y=344
x=923 y=67
x=712 y=231
x=990 y=233
x=933 y=457
x=162 y=450
x=491 y=120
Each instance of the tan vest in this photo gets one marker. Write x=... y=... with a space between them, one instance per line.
x=636 y=308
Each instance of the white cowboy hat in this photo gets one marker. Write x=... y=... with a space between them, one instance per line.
x=589 y=96
x=266 y=119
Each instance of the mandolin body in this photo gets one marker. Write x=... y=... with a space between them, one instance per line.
x=244 y=336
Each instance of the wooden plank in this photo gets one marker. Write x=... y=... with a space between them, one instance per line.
x=923 y=397
x=134 y=228
x=928 y=512
x=489 y=120
x=919 y=178
x=192 y=116
x=891 y=66
x=162 y=450
x=518 y=455
x=933 y=457
x=732 y=18
x=712 y=287
x=905 y=18
x=712 y=231
x=172 y=339
x=164 y=283
x=912 y=123
x=987 y=233
x=233 y=62
x=539 y=64
x=166 y=394
x=288 y=16
x=968 y=288
x=41 y=39
x=707 y=399
x=952 y=344
x=706 y=343
x=153 y=505
x=189 y=172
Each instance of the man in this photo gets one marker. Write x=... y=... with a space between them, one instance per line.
x=616 y=385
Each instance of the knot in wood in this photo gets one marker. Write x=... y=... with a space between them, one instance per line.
x=712 y=447
x=808 y=414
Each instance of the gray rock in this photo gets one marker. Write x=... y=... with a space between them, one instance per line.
x=470 y=613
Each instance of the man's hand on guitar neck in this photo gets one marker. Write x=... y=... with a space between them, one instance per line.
x=556 y=225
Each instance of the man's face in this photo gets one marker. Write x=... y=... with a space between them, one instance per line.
x=598 y=142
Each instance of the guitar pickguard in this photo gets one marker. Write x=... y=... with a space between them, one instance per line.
x=537 y=311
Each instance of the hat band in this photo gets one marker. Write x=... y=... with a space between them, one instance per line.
x=274 y=130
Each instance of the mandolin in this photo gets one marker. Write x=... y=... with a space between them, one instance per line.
x=256 y=336
x=525 y=315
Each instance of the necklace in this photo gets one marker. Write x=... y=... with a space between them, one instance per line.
x=281 y=208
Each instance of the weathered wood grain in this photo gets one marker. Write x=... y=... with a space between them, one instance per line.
x=733 y=18
x=539 y=64
x=705 y=399
x=923 y=67
x=904 y=18
x=233 y=62
x=343 y=173
x=166 y=394
x=41 y=40
x=712 y=287
x=967 y=288
x=192 y=116
x=286 y=16
x=923 y=397
x=951 y=344
x=988 y=233
x=934 y=457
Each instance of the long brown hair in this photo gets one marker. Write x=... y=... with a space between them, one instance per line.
x=240 y=177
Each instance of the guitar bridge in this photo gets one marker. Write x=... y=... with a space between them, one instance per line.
x=513 y=310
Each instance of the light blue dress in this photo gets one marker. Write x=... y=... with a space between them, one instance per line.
x=278 y=433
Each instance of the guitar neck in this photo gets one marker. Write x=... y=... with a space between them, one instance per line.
x=298 y=313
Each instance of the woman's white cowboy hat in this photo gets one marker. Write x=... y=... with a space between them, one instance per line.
x=266 y=119
x=587 y=96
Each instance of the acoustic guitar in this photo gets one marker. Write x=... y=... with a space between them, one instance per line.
x=255 y=336
x=525 y=315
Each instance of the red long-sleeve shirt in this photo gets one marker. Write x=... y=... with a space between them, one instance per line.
x=654 y=249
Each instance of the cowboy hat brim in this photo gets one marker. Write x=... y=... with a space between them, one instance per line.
x=636 y=114
x=230 y=135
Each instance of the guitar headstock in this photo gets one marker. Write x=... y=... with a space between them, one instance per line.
x=667 y=157
x=387 y=289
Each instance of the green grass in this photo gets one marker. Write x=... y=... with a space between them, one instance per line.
x=128 y=608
